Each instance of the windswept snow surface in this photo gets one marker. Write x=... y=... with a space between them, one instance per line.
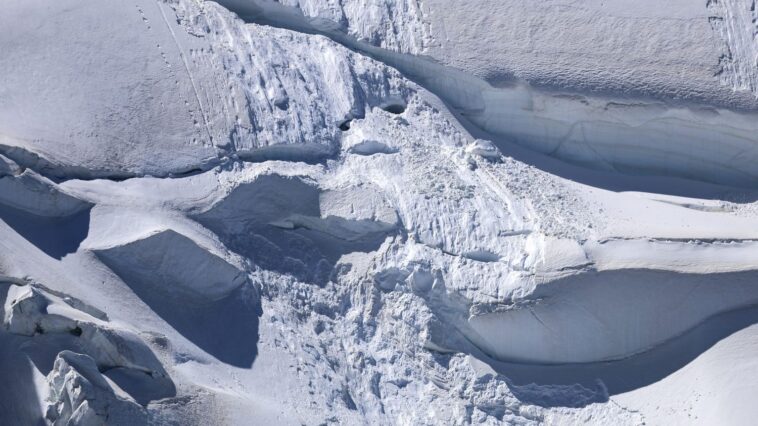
x=342 y=212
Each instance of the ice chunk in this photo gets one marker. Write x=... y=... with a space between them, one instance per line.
x=80 y=395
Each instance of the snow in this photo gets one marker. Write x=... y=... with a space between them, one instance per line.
x=711 y=137
x=389 y=212
x=737 y=24
x=110 y=95
x=602 y=46
x=713 y=388
x=395 y=25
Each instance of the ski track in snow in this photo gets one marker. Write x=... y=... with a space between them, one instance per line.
x=187 y=69
x=736 y=22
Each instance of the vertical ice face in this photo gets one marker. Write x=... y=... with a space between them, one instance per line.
x=398 y=25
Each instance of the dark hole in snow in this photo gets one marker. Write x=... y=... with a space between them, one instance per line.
x=283 y=104
x=345 y=125
x=375 y=389
x=77 y=331
x=319 y=327
x=400 y=383
x=370 y=147
x=324 y=309
x=394 y=107
x=481 y=256
x=186 y=173
x=348 y=399
x=38 y=329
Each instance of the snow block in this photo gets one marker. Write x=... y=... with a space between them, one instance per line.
x=173 y=263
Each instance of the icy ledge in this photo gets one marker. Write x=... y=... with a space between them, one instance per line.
x=633 y=136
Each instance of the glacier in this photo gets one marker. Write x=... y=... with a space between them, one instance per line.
x=378 y=212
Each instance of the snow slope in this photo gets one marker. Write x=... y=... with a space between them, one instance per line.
x=175 y=97
x=292 y=220
x=629 y=114
x=608 y=46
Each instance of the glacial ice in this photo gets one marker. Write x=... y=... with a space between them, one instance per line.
x=385 y=212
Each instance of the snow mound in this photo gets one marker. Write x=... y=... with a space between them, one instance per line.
x=484 y=149
x=34 y=207
x=32 y=311
x=26 y=313
x=83 y=95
